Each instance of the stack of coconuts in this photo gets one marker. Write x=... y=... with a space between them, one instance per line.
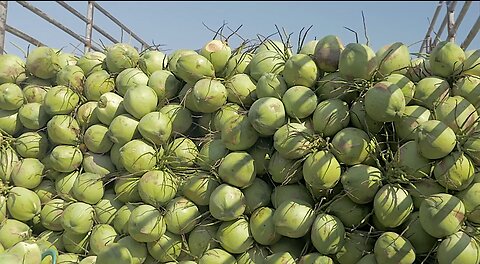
x=336 y=154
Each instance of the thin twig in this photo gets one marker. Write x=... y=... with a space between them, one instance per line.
x=217 y=32
x=302 y=40
x=365 y=28
x=235 y=32
x=351 y=30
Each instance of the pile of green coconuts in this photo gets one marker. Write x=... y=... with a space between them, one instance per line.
x=335 y=154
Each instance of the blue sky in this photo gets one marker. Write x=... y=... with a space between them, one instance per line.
x=179 y=24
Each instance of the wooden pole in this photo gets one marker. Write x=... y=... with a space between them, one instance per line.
x=84 y=19
x=451 y=21
x=461 y=15
x=443 y=25
x=120 y=24
x=3 y=24
x=471 y=35
x=89 y=27
x=54 y=22
x=24 y=36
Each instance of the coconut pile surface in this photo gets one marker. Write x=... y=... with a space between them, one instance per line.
x=335 y=154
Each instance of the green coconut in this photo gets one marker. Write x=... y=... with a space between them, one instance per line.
x=208 y=95
x=413 y=116
x=300 y=70
x=292 y=140
x=392 y=205
x=331 y=116
x=193 y=67
x=352 y=146
x=237 y=63
x=471 y=65
x=265 y=61
x=217 y=52
x=469 y=88
x=12 y=69
x=271 y=85
x=308 y=48
x=267 y=115
x=11 y=96
x=300 y=102
x=446 y=59
x=328 y=234
x=454 y=172
x=361 y=183
x=77 y=218
x=31 y=145
x=293 y=218
x=357 y=61
x=351 y=214
x=157 y=187
x=151 y=61
x=181 y=216
x=165 y=84
x=146 y=224
x=121 y=56
x=114 y=253
x=23 y=204
x=458 y=248
x=327 y=53
x=71 y=76
x=409 y=160
x=129 y=78
x=405 y=84
x=418 y=237
x=43 y=62
x=60 y=100
x=140 y=100
x=241 y=89
x=237 y=169
x=91 y=61
x=321 y=170
x=457 y=113
x=442 y=215
x=435 y=139
x=385 y=102
x=392 y=248
x=430 y=91
x=393 y=58
x=227 y=203
x=235 y=236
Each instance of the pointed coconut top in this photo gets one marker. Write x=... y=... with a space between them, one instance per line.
x=215 y=45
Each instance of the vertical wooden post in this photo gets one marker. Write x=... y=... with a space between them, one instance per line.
x=461 y=15
x=3 y=24
x=451 y=21
x=89 y=29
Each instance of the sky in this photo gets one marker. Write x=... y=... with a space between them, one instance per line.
x=179 y=25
